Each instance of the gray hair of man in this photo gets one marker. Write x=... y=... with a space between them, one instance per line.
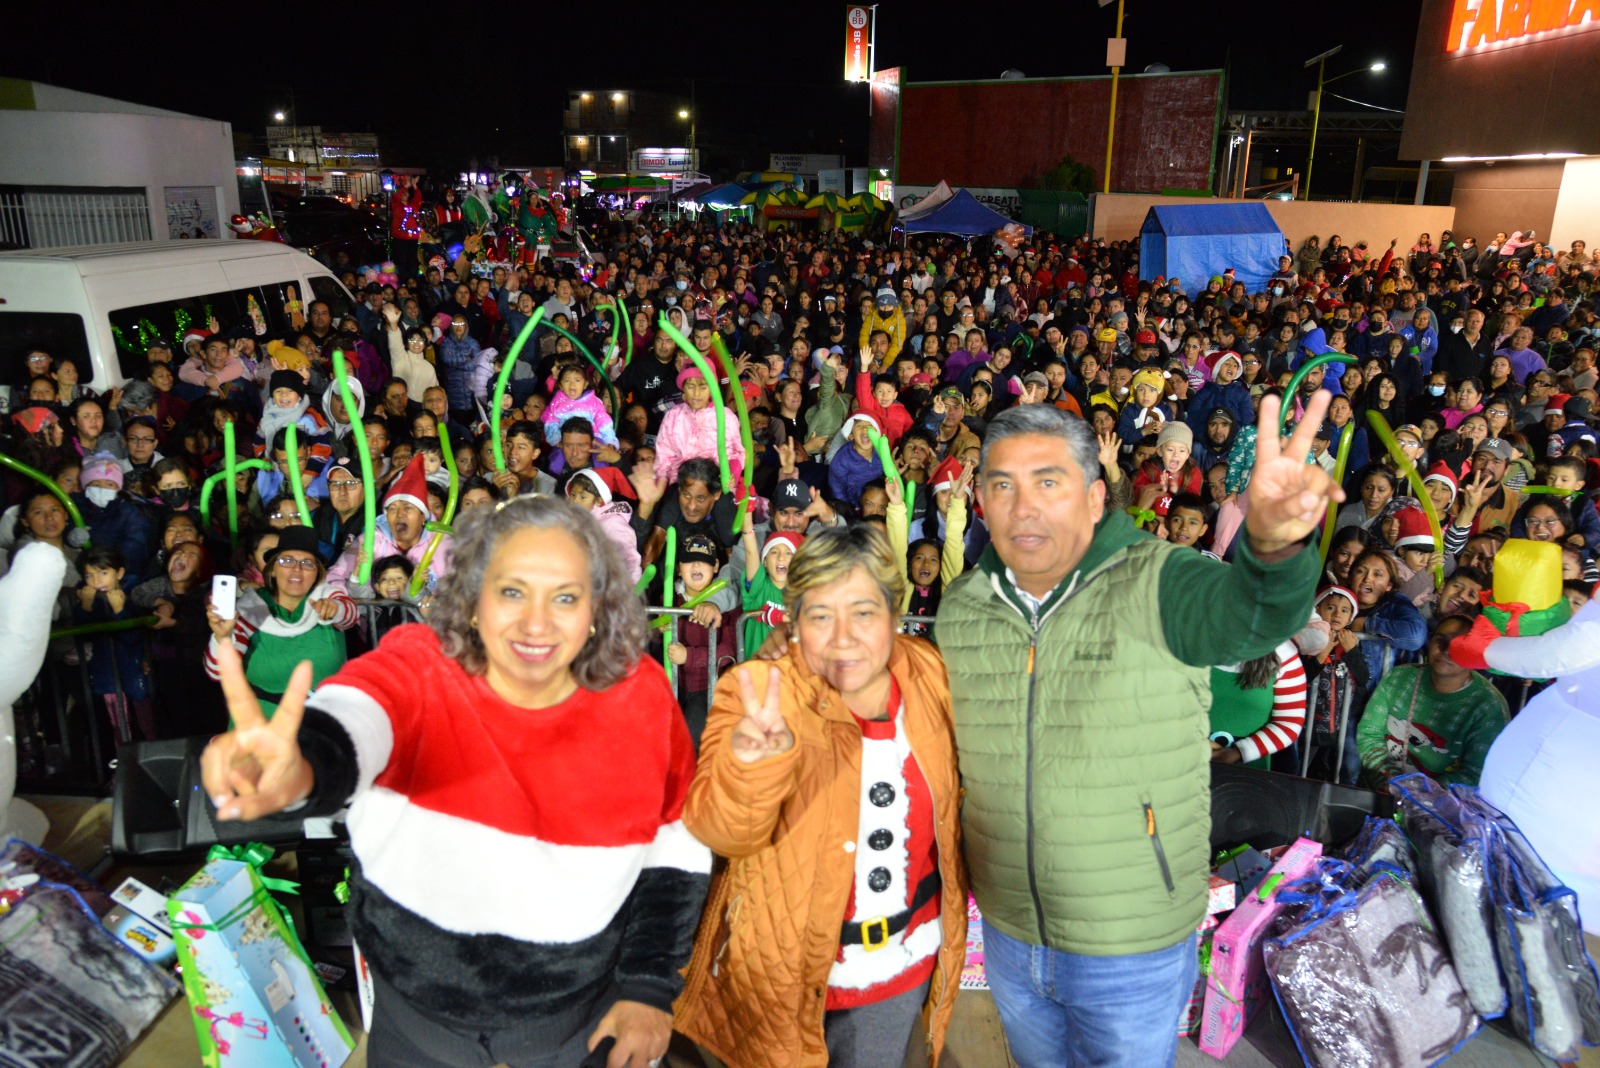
x=1048 y=421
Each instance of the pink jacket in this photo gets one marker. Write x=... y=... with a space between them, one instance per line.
x=588 y=406
x=613 y=519
x=194 y=371
x=685 y=434
x=342 y=574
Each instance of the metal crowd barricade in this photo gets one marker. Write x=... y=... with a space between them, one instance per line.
x=677 y=615
x=368 y=620
x=57 y=731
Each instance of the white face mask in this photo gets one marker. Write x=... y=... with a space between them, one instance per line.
x=1455 y=328
x=100 y=496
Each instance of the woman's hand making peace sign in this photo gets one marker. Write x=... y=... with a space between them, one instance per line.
x=256 y=769
x=762 y=732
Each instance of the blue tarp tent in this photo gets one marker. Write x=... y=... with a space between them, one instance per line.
x=961 y=214
x=1192 y=242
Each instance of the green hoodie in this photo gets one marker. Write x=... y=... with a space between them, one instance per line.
x=1082 y=730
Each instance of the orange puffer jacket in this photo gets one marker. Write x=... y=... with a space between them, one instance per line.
x=757 y=983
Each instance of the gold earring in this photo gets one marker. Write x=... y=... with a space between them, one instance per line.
x=591 y=630
x=474 y=621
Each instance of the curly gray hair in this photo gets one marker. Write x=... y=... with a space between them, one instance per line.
x=619 y=620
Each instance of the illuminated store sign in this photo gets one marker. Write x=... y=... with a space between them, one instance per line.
x=1478 y=25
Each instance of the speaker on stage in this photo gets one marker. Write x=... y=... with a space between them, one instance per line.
x=1266 y=809
x=160 y=809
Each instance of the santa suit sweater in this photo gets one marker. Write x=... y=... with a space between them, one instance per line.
x=514 y=863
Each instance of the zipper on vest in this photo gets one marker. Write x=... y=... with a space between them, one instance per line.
x=1033 y=877
x=1155 y=842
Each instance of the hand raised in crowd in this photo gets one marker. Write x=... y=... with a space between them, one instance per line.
x=391 y=315
x=786 y=465
x=221 y=629
x=650 y=486
x=506 y=482
x=1110 y=454
x=1474 y=495
x=958 y=488
x=762 y=732
x=257 y=769
x=892 y=490
x=1288 y=497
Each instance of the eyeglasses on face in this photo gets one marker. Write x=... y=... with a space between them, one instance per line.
x=293 y=563
x=285 y=515
x=141 y=440
x=343 y=485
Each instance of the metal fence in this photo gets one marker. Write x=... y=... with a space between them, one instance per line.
x=38 y=219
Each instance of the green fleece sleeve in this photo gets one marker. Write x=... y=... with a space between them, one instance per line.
x=1214 y=613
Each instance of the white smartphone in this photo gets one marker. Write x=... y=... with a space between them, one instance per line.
x=224 y=595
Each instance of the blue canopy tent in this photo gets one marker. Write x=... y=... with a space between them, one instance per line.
x=1192 y=242
x=961 y=214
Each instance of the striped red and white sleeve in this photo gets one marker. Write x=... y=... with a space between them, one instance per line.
x=243 y=631
x=1288 y=709
x=349 y=612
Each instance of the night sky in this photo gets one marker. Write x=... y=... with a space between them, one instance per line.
x=444 y=89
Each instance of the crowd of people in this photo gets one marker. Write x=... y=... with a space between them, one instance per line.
x=1158 y=399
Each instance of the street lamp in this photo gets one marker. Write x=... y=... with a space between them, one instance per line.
x=278 y=116
x=1316 y=115
x=688 y=116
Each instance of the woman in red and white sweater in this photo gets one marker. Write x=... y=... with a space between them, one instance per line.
x=1255 y=725
x=515 y=772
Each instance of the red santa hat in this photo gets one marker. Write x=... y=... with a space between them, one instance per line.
x=781 y=537
x=1440 y=472
x=945 y=475
x=1414 y=529
x=861 y=417
x=194 y=334
x=1216 y=360
x=1338 y=591
x=608 y=483
x=411 y=488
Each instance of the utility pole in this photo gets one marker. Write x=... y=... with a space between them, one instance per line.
x=1116 y=54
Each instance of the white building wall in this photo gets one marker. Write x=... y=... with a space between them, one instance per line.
x=121 y=150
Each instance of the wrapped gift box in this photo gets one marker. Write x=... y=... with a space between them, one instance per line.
x=254 y=995
x=1238 y=987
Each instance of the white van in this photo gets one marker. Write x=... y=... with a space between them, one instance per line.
x=101 y=305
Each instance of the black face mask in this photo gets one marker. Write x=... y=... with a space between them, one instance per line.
x=176 y=497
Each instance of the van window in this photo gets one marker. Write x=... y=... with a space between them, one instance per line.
x=61 y=334
x=136 y=327
x=325 y=289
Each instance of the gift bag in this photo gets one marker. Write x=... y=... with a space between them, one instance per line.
x=254 y=995
x=70 y=993
x=1365 y=982
x=1554 y=992
x=1452 y=874
x=1237 y=989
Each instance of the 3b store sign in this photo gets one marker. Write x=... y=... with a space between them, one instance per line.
x=857 y=43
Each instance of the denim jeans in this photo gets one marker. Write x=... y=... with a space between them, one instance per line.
x=1064 y=1010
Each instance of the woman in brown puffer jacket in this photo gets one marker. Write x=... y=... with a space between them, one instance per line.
x=828 y=780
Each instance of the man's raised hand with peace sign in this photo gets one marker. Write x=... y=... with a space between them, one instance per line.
x=257 y=769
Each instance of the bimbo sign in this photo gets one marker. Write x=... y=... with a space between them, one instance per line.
x=1478 y=25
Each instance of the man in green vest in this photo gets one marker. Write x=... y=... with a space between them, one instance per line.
x=1079 y=653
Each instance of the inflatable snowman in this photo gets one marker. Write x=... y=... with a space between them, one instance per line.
x=1541 y=770
x=27 y=594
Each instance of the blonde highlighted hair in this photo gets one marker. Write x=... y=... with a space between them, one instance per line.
x=830 y=555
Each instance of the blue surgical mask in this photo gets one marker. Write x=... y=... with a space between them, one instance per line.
x=1435 y=391
x=682 y=283
x=1277 y=291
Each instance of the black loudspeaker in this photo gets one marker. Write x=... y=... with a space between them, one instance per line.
x=160 y=810
x=1265 y=809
